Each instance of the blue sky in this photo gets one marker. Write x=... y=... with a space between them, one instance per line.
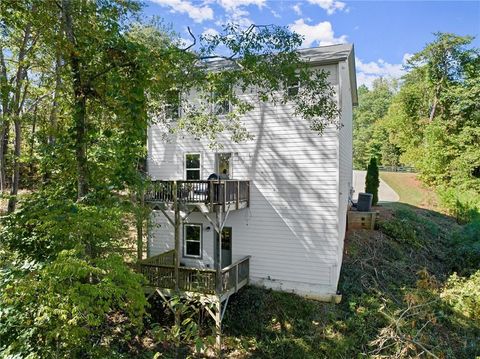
x=385 y=33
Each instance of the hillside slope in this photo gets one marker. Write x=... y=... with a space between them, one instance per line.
x=398 y=300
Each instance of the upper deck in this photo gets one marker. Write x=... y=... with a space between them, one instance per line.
x=230 y=194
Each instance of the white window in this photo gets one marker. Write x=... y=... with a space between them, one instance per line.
x=192 y=240
x=192 y=166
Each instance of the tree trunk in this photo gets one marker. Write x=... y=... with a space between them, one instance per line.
x=4 y=127
x=12 y=202
x=79 y=104
x=18 y=101
x=53 y=112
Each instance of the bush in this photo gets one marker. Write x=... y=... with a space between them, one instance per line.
x=372 y=181
x=47 y=223
x=465 y=252
x=69 y=308
x=463 y=204
x=463 y=295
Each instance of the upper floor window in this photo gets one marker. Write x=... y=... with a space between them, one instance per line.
x=192 y=166
x=293 y=87
x=172 y=107
x=220 y=106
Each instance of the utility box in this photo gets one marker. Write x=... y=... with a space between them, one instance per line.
x=364 y=203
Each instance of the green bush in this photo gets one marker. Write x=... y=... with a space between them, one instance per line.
x=463 y=295
x=465 y=250
x=47 y=223
x=71 y=307
x=400 y=230
x=463 y=204
x=372 y=181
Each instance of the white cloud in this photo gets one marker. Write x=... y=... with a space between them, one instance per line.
x=231 y=5
x=297 y=9
x=275 y=14
x=321 y=33
x=367 y=72
x=236 y=13
x=196 y=13
x=210 y=32
x=330 y=6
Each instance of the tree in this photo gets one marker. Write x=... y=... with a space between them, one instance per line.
x=372 y=180
x=369 y=135
x=434 y=119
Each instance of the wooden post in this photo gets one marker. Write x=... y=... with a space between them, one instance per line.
x=238 y=193
x=224 y=195
x=219 y=251
x=218 y=327
x=177 y=233
x=212 y=195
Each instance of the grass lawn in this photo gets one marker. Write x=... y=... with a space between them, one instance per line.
x=410 y=189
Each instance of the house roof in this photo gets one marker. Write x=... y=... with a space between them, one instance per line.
x=332 y=54
x=322 y=55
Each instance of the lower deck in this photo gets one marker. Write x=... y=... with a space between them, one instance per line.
x=161 y=273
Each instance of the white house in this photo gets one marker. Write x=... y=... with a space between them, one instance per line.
x=283 y=211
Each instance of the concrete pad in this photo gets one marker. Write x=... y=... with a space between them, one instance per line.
x=385 y=192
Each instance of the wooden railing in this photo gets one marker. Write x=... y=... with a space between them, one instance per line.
x=209 y=192
x=165 y=258
x=236 y=275
x=160 y=274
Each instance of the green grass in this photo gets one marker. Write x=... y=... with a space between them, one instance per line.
x=410 y=189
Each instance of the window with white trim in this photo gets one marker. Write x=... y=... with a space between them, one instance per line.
x=192 y=240
x=193 y=166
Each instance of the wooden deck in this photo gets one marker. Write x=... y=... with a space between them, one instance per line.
x=160 y=273
x=230 y=194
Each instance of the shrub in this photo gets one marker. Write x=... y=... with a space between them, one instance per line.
x=47 y=223
x=372 y=181
x=463 y=295
x=69 y=308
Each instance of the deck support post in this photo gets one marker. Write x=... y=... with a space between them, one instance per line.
x=218 y=327
x=218 y=258
x=176 y=208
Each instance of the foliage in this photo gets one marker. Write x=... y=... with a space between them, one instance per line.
x=190 y=328
x=69 y=307
x=434 y=119
x=372 y=180
x=463 y=294
x=465 y=253
x=48 y=223
x=370 y=138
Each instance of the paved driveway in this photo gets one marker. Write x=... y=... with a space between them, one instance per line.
x=385 y=192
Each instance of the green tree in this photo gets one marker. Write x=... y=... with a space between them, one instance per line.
x=434 y=119
x=372 y=180
x=369 y=135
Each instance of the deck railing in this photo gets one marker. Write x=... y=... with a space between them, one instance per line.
x=161 y=274
x=218 y=192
